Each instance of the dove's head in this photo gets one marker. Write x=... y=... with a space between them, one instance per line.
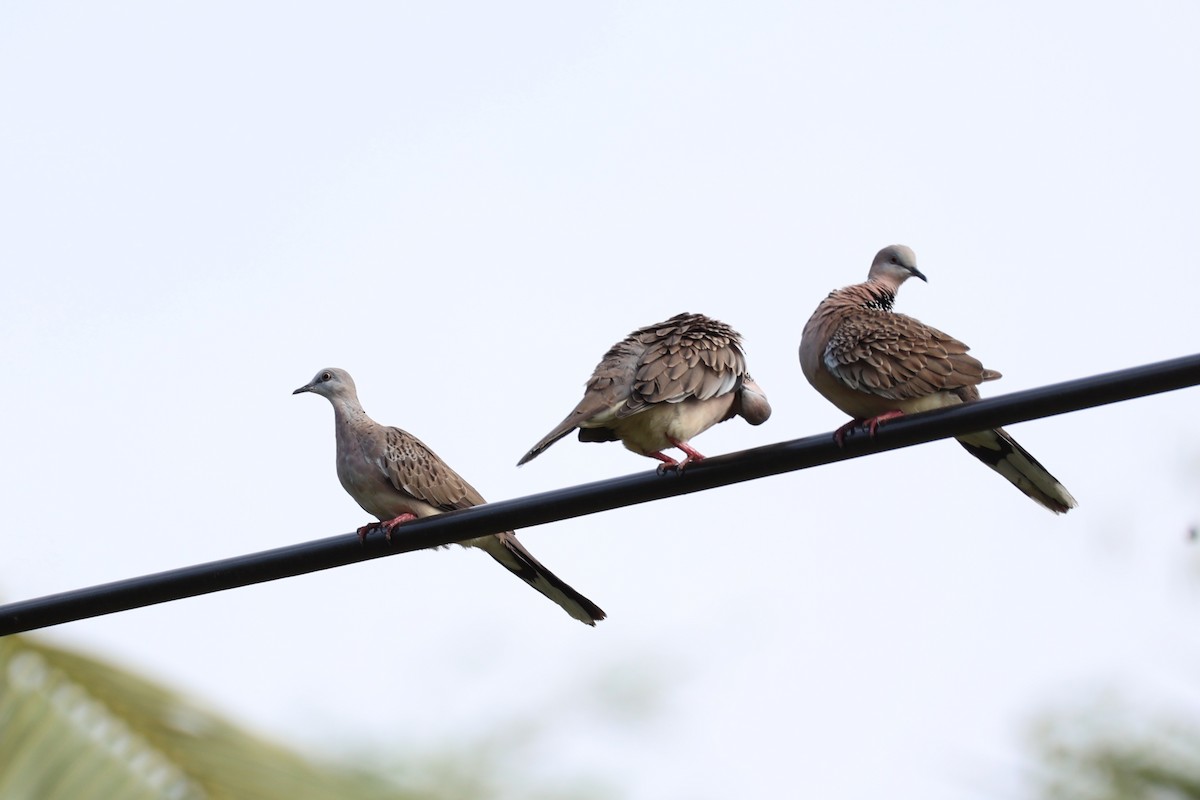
x=330 y=382
x=893 y=265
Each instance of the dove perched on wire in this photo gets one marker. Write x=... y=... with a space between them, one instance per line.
x=396 y=478
x=663 y=385
x=876 y=365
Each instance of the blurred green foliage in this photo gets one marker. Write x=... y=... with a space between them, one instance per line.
x=1113 y=752
x=76 y=728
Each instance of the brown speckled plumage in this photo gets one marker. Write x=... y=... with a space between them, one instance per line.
x=391 y=473
x=870 y=361
x=871 y=349
x=662 y=385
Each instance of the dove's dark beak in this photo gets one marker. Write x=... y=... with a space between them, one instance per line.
x=306 y=388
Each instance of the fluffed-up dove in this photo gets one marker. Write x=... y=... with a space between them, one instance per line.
x=395 y=477
x=876 y=365
x=663 y=385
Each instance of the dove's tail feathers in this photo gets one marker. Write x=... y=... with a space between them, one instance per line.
x=1002 y=453
x=563 y=428
x=516 y=559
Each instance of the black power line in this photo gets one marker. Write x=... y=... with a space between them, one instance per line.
x=574 y=501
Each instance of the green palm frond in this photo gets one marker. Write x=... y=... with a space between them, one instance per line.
x=74 y=727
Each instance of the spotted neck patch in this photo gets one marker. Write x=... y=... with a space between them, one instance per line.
x=881 y=300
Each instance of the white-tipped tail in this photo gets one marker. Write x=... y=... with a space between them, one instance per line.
x=516 y=559
x=1002 y=453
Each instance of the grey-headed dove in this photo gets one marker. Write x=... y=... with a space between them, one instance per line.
x=663 y=385
x=396 y=478
x=875 y=365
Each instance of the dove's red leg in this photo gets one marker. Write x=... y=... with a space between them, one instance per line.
x=667 y=464
x=872 y=424
x=396 y=522
x=691 y=452
x=388 y=526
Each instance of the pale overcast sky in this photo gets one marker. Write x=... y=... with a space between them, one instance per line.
x=465 y=204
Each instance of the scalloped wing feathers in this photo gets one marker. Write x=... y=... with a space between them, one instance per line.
x=413 y=468
x=689 y=357
x=863 y=357
x=898 y=357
